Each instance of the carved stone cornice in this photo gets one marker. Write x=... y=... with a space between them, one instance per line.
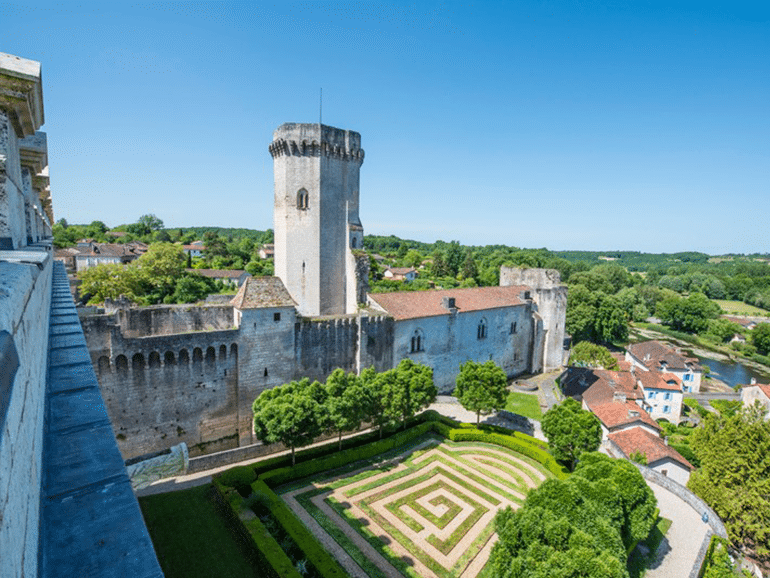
x=21 y=93
x=283 y=147
x=33 y=152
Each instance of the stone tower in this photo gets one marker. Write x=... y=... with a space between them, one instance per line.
x=317 y=229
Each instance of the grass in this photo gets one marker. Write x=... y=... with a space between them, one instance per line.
x=525 y=404
x=637 y=564
x=192 y=539
x=739 y=307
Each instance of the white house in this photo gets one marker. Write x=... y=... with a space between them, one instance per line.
x=756 y=392
x=654 y=356
x=663 y=395
x=407 y=274
x=660 y=456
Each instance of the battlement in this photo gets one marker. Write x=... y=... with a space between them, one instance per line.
x=315 y=140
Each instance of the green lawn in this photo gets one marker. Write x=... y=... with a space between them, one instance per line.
x=525 y=404
x=192 y=540
x=739 y=307
x=637 y=564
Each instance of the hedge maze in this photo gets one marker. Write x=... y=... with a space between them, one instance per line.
x=428 y=512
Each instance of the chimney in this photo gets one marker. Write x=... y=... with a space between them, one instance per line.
x=753 y=381
x=449 y=304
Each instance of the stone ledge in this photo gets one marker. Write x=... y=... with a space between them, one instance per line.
x=90 y=521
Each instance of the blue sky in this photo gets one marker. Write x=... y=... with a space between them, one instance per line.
x=567 y=125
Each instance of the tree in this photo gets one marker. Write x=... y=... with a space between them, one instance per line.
x=343 y=407
x=111 y=281
x=734 y=477
x=408 y=389
x=481 y=387
x=690 y=314
x=760 y=338
x=595 y=316
x=571 y=431
x=289 y=414
x=587 y=354
x=370 y=393
x=162 y=265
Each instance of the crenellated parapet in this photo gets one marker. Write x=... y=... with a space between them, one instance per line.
x=282 y=147
x=316 y=140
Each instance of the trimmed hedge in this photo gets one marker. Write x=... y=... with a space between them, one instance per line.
x=281 y=476
x=536 y=452
x=324 y=563
x=241 y=477
x=272 y=558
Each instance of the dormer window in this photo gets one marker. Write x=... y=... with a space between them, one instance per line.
x=303 y=200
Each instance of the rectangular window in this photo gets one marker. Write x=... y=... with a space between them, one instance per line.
x=650 y=395
x=666 y=409
x=688 y=377
x=276 y=316
x=667 y=396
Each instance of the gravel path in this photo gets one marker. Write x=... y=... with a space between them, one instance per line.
x=679 y=548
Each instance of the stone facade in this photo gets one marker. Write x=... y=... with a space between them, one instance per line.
x=550 y=298
x=317 y=227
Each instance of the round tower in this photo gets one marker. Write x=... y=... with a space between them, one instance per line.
x=316 y=221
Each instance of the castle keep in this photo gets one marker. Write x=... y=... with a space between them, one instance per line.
x=172 y=374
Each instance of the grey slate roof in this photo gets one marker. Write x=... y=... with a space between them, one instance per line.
x=262 y=292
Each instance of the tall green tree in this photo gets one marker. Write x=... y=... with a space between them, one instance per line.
x=734 y=477
x=290 y=414
x=690 y=314
x=571 y=431
x=342 y=405
x=481 y=387
x=587 y=354
x=408 y=389
x=370 y=391
x=760 y=338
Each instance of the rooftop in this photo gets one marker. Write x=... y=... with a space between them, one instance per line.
x=417 y=304
x=653 y=447
x=652 y=353
x=261 y=293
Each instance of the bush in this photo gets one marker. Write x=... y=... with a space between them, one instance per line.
x=316 y=554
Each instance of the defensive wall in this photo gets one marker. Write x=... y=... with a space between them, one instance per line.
x=188 y=380
x=66 y=503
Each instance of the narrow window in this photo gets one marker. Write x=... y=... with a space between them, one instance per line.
x=276 y=316
x=418 y=342
x=266 y=372
x=303 y=200
x=513 y=328
x=353 y=242
x=481 y=331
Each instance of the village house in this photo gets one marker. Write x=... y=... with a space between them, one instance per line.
x=654 y=356
x=91 y=254
x=756 y=392
x=194 y=249
x=267 y=251
x=618 y=399
x=659 y=455
x=663 y=395
x=406 y=274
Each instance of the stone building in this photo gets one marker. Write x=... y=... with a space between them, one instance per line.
x=66 y=504
x=172 y=374
x=317 y=228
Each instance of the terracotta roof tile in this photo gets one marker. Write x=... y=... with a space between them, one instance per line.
x=651 y=353
x=614 y=414
x=640 y=440
x=655 y=380
x=416 y=304
x=262 y=292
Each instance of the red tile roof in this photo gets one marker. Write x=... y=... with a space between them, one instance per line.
x=655 y=380
x=608 y=383
x=416 y=304
x=640 y=440
x=651 y=353
x=614 y=414
x=401 y=270
x=262 y=292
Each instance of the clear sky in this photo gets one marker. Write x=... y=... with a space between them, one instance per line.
x=568 y=125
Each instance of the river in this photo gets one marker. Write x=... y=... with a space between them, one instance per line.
x=732 y=373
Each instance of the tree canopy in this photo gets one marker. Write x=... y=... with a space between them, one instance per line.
x=734 y=477
x=571 y=431
x=578 y=527
x=481 y=387
x=587 y=354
